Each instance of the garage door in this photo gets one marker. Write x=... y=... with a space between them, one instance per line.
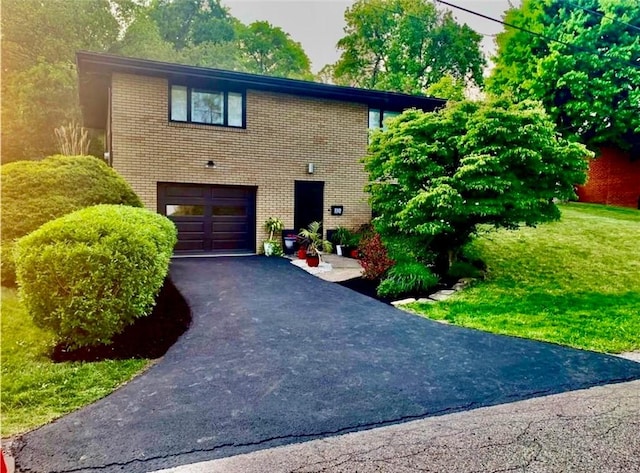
x=210 y=218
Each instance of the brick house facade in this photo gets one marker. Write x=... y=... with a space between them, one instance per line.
x=614 y=179
x=219 y=152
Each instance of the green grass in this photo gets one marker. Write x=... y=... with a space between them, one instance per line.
x=34 y=389
x=574 y=282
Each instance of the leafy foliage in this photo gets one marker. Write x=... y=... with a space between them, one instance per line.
x=89 y=274
x=590 y=85
x=374 y=259
x=311 y=238
x=40 y=40
x=270 y=51
x=407 y=277
x=436 y=176
x=406 y=46
x=34 y=192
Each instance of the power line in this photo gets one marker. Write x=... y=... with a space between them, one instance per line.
x=602 y=15
x=539 y=35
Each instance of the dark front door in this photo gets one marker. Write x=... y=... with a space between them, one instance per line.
x=308 y=203
x=210 y=218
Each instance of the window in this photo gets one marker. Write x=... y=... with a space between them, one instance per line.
x=377 y=118
x=209 y=107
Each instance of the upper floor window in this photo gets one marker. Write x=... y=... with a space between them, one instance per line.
x=193 y=105
x=377 y=118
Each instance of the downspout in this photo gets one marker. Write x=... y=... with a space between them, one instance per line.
x=108 y=141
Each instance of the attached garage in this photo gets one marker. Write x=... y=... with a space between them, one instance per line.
x=210 y=218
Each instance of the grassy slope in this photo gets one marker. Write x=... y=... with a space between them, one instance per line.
x=575 y=282
x=34 y=389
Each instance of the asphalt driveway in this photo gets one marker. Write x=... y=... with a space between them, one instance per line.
x=276 y=356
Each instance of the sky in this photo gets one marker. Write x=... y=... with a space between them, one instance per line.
x=318 y=24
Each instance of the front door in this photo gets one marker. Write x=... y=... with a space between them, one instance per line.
x=308 y=203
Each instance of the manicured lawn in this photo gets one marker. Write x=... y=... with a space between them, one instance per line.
x=574 y=282
x=34 y=389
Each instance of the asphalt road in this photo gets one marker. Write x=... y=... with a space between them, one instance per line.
x=276 y=356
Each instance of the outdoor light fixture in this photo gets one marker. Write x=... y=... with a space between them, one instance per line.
x=210 y=164
x=311 y=168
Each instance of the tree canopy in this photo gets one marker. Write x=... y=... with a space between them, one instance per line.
x=435 y=177
x=40 y=39
x=406 y=46
x=589 y=79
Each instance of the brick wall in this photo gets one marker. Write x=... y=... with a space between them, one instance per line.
x=283 y=134
x=613 y=180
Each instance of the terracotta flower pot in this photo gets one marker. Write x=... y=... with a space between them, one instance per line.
x=313 y=261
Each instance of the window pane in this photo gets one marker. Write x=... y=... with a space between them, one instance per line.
x=179 y=103
x=374 y=118
x=207 y=107
x=386 y=115
x=235 y=109
x=184 y=210
x=229 y=210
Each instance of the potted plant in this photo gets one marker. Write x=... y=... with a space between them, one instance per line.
x=302 y=247
x=315 y=243
x=341 y=237
x=272 y=246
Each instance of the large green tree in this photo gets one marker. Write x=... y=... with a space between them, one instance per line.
x=435 y=177
x=588 y=80
x=269 y=50
x=39 y=42
x=405 y=45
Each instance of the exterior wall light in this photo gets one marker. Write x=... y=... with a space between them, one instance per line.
x=210 y=164
x=311 y=168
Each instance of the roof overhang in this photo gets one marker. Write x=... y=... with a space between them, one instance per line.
x=95 y=71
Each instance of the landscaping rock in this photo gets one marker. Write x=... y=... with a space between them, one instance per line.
x=458 y=286
x=442 y=295
x=425 y=300
x=403 y=301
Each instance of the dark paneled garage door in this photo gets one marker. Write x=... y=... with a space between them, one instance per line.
x=210 y=218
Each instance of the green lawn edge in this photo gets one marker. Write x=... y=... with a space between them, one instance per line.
x=575 y=282
x=35 y=390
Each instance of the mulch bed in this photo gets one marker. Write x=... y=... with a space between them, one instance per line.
x=148 y=337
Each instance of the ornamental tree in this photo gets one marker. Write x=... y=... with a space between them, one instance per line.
x=435 y=177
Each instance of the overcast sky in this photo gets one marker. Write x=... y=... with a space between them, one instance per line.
x=318 y=24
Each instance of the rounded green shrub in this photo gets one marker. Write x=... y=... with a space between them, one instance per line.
x=35 y=192
x=406 y=277
x=89 y=274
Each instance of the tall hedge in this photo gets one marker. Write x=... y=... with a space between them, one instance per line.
x=89 y=274
x=34 y=192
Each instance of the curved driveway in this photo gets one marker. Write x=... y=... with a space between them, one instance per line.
x=277 y=356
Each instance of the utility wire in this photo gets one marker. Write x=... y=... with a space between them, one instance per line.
x=602 y=15
x=539 y=35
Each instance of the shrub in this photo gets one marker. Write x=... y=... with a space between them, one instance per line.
x=407 y=277
x=374 y=257
x=34 y=192
x=89 y=274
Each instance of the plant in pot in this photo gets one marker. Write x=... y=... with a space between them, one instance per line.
x=272 y=246
x=303 y=243
x=342 y=237
x=316 y=244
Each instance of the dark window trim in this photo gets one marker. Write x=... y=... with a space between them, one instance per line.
x=382 y=112
x=225 y=96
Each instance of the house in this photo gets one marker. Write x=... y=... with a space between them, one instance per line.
x=219 y=152
x=613 y=179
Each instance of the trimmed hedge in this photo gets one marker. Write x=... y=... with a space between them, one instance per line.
x=35 y=192
x=89 y=274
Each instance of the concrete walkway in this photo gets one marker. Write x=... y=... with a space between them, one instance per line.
x=333 y=268
x=587 y=431
x=276 y=356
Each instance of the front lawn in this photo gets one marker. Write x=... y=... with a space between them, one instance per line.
x=36 y=390
x=574 y=282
